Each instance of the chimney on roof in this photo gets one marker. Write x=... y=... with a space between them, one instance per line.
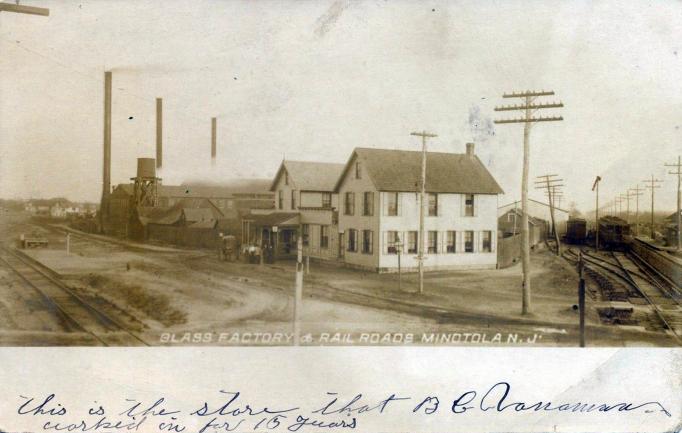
x=470 y=150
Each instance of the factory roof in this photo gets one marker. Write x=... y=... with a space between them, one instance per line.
x=227 y=190
x=400 y=170
x=309 y=176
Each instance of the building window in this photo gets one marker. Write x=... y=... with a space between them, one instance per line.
x=358 y=170
x=433 y=204
x=487 y=241
x=368 y=204
x=293 y=199
x=468 y=242
x=433 y=242
x=392 y=242
x=305 y=234
x=324 y=236
x=391 y=203
x=352 y=244
x=286 y=178
x=412 y=242
x=280 y=199
x=367 y=238
x=452 y=239
x=349 y=204
x=469 y=205
x=326 y=199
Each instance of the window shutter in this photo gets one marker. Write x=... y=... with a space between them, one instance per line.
x=371 y=241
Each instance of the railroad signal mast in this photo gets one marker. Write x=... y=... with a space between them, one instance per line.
x=551 y=185
x=652 y=184
x=529 y=108
x=595 y=187
x=678 y=172
x=636 y=192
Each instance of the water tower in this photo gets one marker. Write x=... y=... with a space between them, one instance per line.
x=146 y=183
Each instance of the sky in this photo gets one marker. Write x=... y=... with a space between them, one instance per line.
x=313 y=80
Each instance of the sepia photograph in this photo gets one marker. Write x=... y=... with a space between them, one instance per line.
x=340 y=173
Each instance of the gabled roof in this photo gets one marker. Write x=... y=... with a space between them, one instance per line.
x=531 y=219
x=310 y=176
x=400 y=170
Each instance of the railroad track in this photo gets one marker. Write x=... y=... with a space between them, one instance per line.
x=637 y=278
x=662 y=297
x=76 y=314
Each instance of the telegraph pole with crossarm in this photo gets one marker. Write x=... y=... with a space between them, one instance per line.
x=652 y=184
x=529 y=108
x=551 y=185
x=636 y=192
x=678 y=172
x=420 y=257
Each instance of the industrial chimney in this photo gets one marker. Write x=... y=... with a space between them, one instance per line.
x=213 y=138
x=470 y=150
x=106 y=169
x=159 y=133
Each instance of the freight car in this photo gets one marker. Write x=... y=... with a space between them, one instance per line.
x=576 y=231
x=614 y=233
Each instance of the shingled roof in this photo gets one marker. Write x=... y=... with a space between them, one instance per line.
x=400 y=170
x=310 y=176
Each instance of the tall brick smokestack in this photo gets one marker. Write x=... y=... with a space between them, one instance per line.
x=214 y=127
x=159 y=133
x=106 y=168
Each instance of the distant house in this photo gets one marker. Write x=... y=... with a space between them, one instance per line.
x=58 y=210
x=509 y=224
x=540 y=210
x=379 y=210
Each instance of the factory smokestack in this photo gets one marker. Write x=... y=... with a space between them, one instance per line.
x=106 y=171
x=159 y=133
x=214 y=127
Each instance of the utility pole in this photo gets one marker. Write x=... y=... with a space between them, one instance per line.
x=595 y=187
x=298 y=293
x=551 y=185
x=424 y=135
x=636 y=192
x=528 y=107
x=678 y=172
x=30 y=10
x=652 y=184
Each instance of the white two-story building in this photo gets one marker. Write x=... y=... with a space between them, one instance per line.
x=378 y=194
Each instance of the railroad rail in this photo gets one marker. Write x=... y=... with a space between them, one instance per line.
x=665 y=306
x=76 y=313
